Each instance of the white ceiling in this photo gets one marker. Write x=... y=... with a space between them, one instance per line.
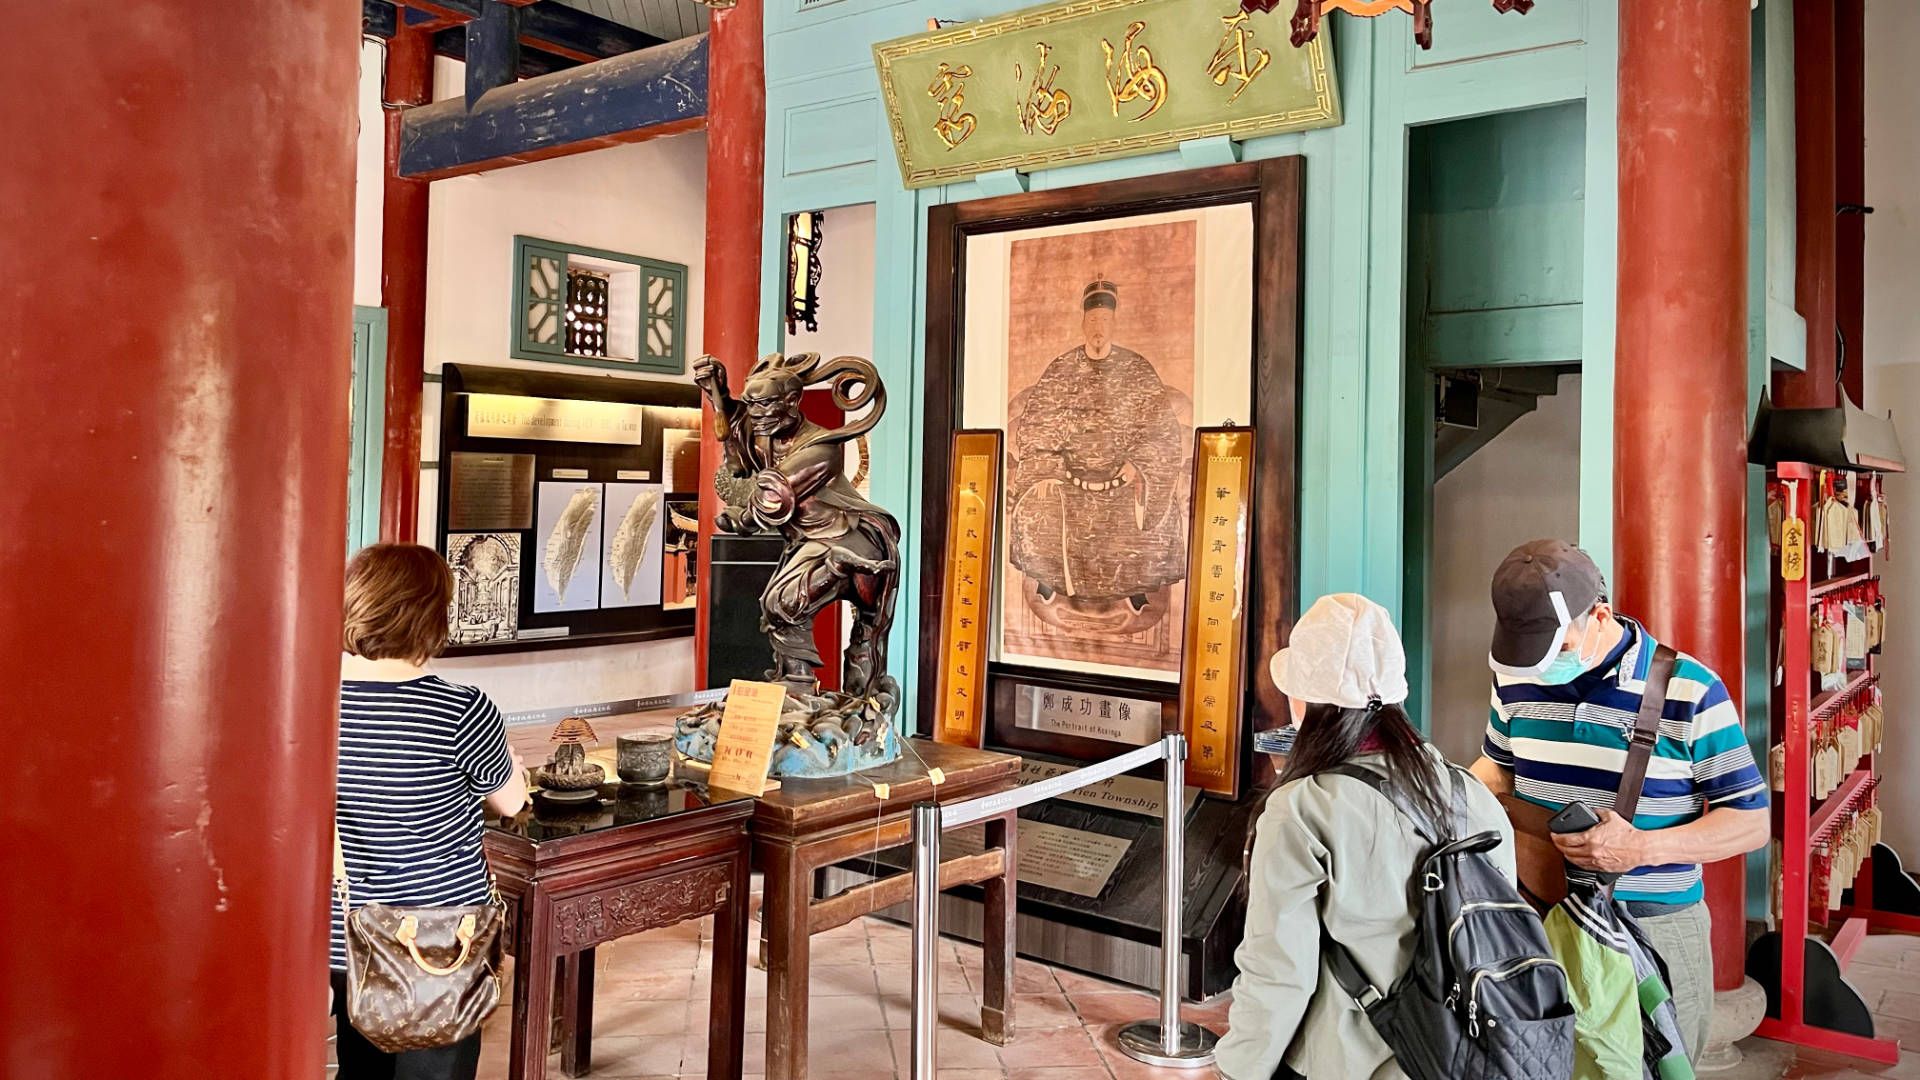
x=668 y=20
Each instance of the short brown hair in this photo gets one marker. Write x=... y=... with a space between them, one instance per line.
x=397 y=601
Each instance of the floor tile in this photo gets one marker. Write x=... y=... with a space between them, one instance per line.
x=835 y=980
x=1114 y=1008
x=1083 y=1073
x=1064 y=1046
x=1043 y=1012
x=953 y=1051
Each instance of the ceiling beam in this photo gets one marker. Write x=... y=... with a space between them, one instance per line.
x=625 y=99
x=549 y=27
x=452 y=44
x=493 y=49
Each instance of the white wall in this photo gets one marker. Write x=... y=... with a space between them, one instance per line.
x=645 y=199
x=846 y=287
x=369 y=171
x=1522 y=486
x=1893 y=379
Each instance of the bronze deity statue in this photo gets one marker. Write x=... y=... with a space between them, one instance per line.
x=790 y=476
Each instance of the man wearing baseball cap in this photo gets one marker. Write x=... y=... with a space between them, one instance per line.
x=1569 y=675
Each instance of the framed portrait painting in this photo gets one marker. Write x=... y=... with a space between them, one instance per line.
x=1098 y=328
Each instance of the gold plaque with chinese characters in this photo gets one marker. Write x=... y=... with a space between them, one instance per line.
x=972 y=523
x=1065 y=84
x=1213 y=663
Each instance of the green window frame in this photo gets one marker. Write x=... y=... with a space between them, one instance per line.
x=657 y=291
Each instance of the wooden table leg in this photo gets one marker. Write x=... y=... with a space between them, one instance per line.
x=727 y=1006
x=576 y=1006
x=532 y=986
x=997 y=935
x=788 y=882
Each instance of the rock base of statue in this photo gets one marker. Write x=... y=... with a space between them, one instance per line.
x=829 y=734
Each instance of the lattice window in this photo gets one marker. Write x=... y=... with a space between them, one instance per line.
x=584 y=305
x=587 y=295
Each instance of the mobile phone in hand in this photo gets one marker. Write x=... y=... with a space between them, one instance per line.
x=1576 y=817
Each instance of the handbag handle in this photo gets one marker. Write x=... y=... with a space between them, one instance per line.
x=410 y=929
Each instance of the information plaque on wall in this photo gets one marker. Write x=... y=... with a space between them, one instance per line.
x=489 y=492
x=1213 y=662
x=972 y=523
x=1066 y=84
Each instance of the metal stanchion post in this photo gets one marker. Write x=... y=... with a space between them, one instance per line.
x=926 y=936
x=1169 y=1042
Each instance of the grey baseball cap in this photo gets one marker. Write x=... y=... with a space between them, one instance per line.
x=1539 y=590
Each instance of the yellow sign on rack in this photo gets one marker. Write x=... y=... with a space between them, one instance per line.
x=747 y=729
x=972 y=523
x=1213 y=665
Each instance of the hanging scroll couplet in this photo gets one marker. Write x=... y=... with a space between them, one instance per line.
x=1214 y=652
x=973 y=524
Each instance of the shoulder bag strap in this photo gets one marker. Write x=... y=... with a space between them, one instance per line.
x=1646 y=731
x=341 y=887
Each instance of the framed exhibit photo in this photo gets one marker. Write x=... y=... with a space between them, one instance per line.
x=1099 y=328
x=566 y=508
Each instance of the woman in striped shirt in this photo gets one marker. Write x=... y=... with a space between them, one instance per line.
x=419 y=757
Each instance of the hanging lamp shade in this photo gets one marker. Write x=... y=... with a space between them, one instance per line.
x=1308 y=13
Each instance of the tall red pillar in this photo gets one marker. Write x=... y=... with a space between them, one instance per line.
x=178 y=196
x=1680 y=411
x=1816 y=240
x=403 y=290
x=736 y=161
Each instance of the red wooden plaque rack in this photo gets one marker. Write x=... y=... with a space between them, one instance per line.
x=1809 y=1000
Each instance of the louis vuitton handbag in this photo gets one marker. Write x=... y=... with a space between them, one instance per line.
x=419 y=977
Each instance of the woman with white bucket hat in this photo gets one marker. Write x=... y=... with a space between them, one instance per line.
x=1330 y=854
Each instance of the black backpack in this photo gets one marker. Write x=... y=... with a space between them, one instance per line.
x=1484 y=997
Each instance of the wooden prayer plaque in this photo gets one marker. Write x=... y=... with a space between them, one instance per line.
x=973 y=522
x=1214 y=651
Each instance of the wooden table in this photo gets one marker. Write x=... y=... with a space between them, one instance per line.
x=575 y=879
x=808 y=825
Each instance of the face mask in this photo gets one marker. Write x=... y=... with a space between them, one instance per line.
x=1572 y=663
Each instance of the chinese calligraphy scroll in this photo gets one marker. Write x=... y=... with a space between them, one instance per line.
x=1213 y=668
x=972 y=524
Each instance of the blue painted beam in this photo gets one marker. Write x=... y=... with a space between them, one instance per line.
x=378 y=18
x=631 y=98
x=452 y=44
x=554 y=28
x=493 y=49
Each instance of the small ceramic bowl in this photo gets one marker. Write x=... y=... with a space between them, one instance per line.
x=645 y=757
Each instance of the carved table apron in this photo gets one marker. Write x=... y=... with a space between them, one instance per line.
x=566 y=894
x=808 y=825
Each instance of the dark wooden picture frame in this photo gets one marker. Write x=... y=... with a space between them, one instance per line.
x=1274 y=188
x=601 y=462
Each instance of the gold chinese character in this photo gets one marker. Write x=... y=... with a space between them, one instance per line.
x=1139 y=78
x=1232 y=60
x=949 y=89
x=1042 y=107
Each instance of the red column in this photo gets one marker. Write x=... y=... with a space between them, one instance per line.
x=403 y=290
x=736 y=155
x=1680 y=472
x=1850 y=186
x=1815 y=248
x=178 y=192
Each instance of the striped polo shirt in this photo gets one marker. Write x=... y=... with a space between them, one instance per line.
x=1567 y=743
x=416 y=759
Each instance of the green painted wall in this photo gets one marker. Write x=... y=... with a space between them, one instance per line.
x=368 y=429
x=827 y=146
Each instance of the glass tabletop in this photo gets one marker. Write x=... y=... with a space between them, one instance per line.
x=614 y=806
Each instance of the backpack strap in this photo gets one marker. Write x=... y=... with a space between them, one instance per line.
x=1646 y=732
x=1426 y=827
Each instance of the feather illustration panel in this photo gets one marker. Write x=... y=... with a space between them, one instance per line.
x=568 y=529
x=630 y=568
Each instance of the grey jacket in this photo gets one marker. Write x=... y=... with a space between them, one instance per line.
x=1329 y=849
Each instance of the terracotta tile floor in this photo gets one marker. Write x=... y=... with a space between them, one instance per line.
x=651 y=1015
